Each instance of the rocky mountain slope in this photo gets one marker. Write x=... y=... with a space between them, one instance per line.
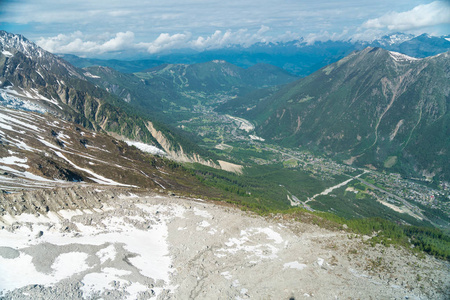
x=34 y=79
x=375 y=108
x=112 y=244
x=41 y=151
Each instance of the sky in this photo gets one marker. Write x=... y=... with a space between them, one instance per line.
x=98 y=27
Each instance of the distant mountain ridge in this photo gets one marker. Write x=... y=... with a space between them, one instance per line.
x=124 y=66
x=298 y=57
x=375 y=108
x=416 y=46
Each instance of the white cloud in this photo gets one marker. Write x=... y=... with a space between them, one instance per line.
x=241 y=37
x=121 y=41
x=161 y=25
x=80 y=43
x=218 y=39
x=435 y=13
x=76 y=43
x=166 y=41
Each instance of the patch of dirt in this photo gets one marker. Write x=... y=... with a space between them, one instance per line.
x=230 y=167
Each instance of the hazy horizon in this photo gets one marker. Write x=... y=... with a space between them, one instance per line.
x=97 y=28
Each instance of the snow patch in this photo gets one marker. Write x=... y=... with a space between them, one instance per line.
x=68 y=214
x=227 y=275
x=67 y=264
x=202 y=213
x=271 y=234
x=149 y=247
x=146 y=148
x=96 y=177
x=15 y=122
x=204 y=224
x=248 y=242
x=88 y=74
x=27 y=175
x=105 y=281
x=401 y=57
x=320 y=261
x=294 y=265
x=7 y=53
x=64 y=266
x=14 y=160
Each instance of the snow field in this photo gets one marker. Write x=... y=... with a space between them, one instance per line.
x=111 y=235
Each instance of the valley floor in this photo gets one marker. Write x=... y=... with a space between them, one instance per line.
x=111 y=243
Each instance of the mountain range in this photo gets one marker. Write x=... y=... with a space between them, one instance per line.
x=37 y=80
x=299 y=57
x=374 y=108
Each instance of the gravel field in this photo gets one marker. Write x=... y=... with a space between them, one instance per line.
x=91 y=243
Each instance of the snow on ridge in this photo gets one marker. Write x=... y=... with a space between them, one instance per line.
x=146 y=148
x=26 y=175
x=7 y=53
x=20 y=144
x=96 y=177
x=37 y=71
x=88 y=74
x=14 y=160
x=17 y=123
x=40 y=97
x=402 y=57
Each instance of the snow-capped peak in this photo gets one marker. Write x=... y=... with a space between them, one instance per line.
x=10 y=41
x=401 y=57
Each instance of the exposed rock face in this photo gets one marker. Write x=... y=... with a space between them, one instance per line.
x=41 y=151
x=230 y=167
x=176 y=151
x=114 y=244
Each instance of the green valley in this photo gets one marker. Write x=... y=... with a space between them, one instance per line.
x=231 y=114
